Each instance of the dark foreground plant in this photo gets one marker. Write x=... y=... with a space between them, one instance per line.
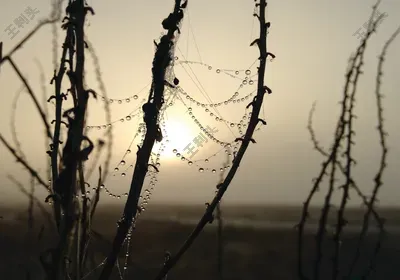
x=162 y=60
x=73 y=209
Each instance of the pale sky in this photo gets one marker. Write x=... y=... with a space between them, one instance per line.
x=312 y=41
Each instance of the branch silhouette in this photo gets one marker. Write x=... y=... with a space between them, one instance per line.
x=208 y=215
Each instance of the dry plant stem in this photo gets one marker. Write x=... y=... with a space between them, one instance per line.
x=220 y=242
x=45 y=111
x=30 y=207
x=38 y=203
x=161 y=61
x=32 y=95
x=56 y=13
x=254 y=120
x=90 y=213
x=378 y=219
x=107 y=109
x=95 y=161
x=341 y=221
x=67 y=46
x=383 y=162
x=218 y=216
x=354 y=185
x=96 y=198
x=324 y=218
x=27 y=37
x=81 y=231
x=312 y=133
x=54 y=18
x=23 y=162
x=72 y=151
x=354 y=70
x=13 y=127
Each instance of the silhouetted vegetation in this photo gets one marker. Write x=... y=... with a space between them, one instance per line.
x=74 y=245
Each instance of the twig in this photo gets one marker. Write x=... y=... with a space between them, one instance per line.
x=32 y=95
x=103 y=91
x=218 y=216
x=27 y=37
x=23 y=162
x=45 y=111
x=341 y=221
x=13 y=128
x=384 y=151
x=348 y=97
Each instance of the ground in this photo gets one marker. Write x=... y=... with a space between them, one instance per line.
x=260 y=245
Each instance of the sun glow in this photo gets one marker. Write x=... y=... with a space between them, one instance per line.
x=179 y=135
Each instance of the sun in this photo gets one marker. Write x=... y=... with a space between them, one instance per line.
x=179 y=135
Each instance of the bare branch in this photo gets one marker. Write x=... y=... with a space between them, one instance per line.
x=24 y=163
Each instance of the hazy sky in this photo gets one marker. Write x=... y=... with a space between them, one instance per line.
x=312 y=41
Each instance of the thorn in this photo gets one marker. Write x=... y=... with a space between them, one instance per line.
x=262 y=121
x=90 y=9
x=184 y=5
x=92 y=92
x=168 y=84
x=256 y=41
x=54 y=78
x=267 y=89
x=250 y=104
x=152 y=165
x=63 y=96
x=51 y=196
x=51 y=97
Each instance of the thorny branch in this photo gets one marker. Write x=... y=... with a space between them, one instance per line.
x=383 y=163
x=107 y=110
x=31 y=94
x=24 y=163
x=344 y=133
x=151 y=109
x=254 y=120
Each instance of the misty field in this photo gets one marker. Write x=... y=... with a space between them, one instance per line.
x=258 y=244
